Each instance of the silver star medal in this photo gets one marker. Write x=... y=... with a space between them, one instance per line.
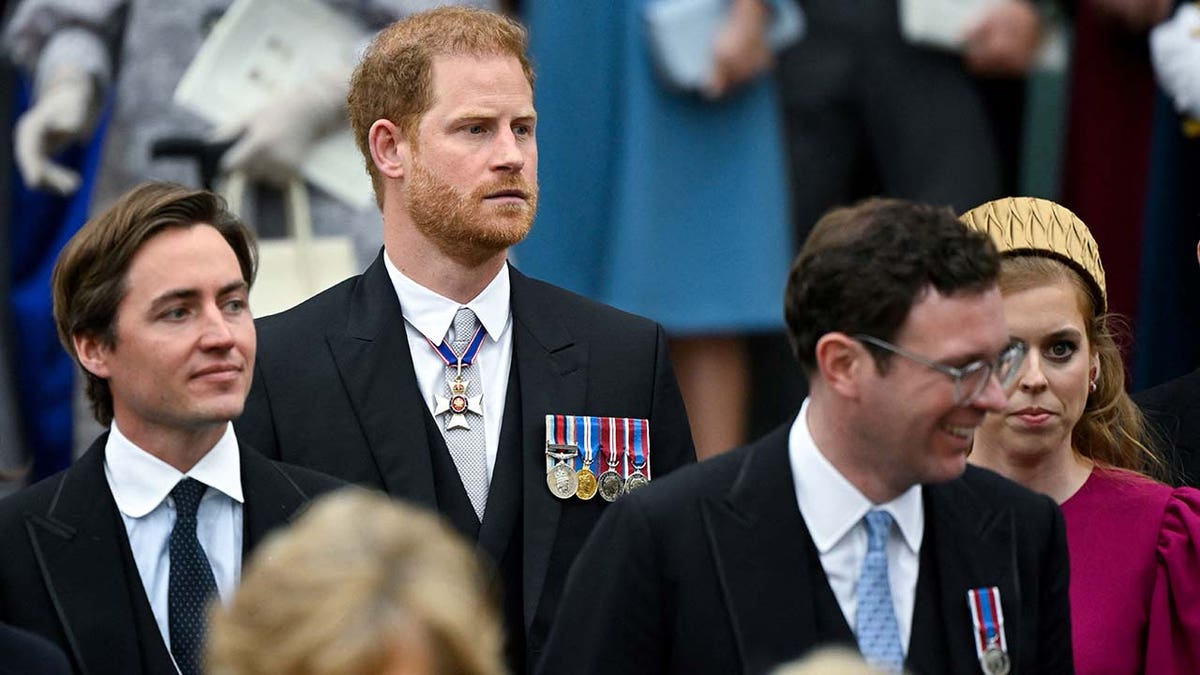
x=458 y=404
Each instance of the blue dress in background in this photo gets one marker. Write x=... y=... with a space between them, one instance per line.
x=660 y=203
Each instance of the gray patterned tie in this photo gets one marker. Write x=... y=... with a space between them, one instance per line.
x=190 y=584
x=465 y=441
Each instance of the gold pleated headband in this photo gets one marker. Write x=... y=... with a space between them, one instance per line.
x=1033 y=226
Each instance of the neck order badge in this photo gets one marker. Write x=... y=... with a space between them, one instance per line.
x=988 y=617
x=459 y=402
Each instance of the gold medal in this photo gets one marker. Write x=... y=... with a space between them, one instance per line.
x=591 y=440
x=587 y=484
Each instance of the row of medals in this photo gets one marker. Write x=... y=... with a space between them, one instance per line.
x=565 y=482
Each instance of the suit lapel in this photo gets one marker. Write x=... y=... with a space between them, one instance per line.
x=270 y=499
x=78 y=544
x=373 y=357
x=552 y=371
x=758 y=541
x=976 y=550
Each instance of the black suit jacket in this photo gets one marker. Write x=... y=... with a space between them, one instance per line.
x=25 y=653
x=713 y=571
x=1173 y=409
x=67 y=571
x=335 y=390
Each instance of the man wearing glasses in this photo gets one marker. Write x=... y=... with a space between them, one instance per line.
x=859 y=522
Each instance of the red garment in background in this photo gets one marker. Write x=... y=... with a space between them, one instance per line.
x=1108 y=146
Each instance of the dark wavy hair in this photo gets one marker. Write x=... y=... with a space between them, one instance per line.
x=89 y=276
x=864 y=266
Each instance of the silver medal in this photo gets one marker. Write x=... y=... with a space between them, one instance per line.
x=995 y=661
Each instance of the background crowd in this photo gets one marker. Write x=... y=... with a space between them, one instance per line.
x=685 y=207
x=685 y=203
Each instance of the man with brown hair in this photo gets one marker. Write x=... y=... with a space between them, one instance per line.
x=116 y=558
x=858 y=522
x=432 y=374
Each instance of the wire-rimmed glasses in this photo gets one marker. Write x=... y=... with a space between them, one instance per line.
x=972 y=379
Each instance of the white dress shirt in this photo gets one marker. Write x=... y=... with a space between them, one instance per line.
x=141 y=484
x=833 y=509
x=427 y=318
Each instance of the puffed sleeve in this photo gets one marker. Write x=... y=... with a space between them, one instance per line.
x=1173 y=643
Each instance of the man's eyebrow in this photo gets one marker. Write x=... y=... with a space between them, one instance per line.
x=481 y=114
x=233 y=287
x=192 y=293
x=174 y=295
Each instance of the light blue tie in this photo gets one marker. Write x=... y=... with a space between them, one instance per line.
x=875 y=622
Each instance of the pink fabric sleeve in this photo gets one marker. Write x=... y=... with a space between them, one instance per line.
x=1173 y=642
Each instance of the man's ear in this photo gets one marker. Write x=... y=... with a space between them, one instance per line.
x=93 y=354
x=390 y=149
x=840 y=360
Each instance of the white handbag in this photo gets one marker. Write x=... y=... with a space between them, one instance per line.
x=295 y=268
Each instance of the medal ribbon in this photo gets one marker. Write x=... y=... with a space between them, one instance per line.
x=452 y=359
x=626 y=448
x=639 y=457
x=645 y=427
x=579 y=439
x=605 y=442
x=571 y=427
x=987 y=617
x=591 y=437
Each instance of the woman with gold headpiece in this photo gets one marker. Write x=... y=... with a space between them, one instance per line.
x=1071 y=431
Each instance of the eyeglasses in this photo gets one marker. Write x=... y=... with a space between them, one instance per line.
x=971 y=379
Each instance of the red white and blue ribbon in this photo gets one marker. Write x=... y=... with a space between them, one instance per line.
x=988 y=617
x=639 y=456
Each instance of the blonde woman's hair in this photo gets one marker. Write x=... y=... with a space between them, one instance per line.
x=829 y=661
x=1112 y=430
x=342 y=590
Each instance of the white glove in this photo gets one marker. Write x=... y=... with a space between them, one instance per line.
x=277 y=137
x=64 y=112
x=1175 y=50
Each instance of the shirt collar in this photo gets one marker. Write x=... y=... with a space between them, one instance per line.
x=140 y=481
x=432 y=314
x=830 y=503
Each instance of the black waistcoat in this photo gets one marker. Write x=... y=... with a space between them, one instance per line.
x=499 y=536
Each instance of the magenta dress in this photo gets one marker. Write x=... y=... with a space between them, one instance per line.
x=1135 y=575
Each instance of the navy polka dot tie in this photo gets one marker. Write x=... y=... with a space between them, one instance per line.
x=876 y=629
x=191 y=585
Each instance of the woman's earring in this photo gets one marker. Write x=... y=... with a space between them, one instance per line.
x=1093 y=386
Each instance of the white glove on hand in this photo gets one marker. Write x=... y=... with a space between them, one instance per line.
x=1175 y=50
x=63 y=113
x=273 y=140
